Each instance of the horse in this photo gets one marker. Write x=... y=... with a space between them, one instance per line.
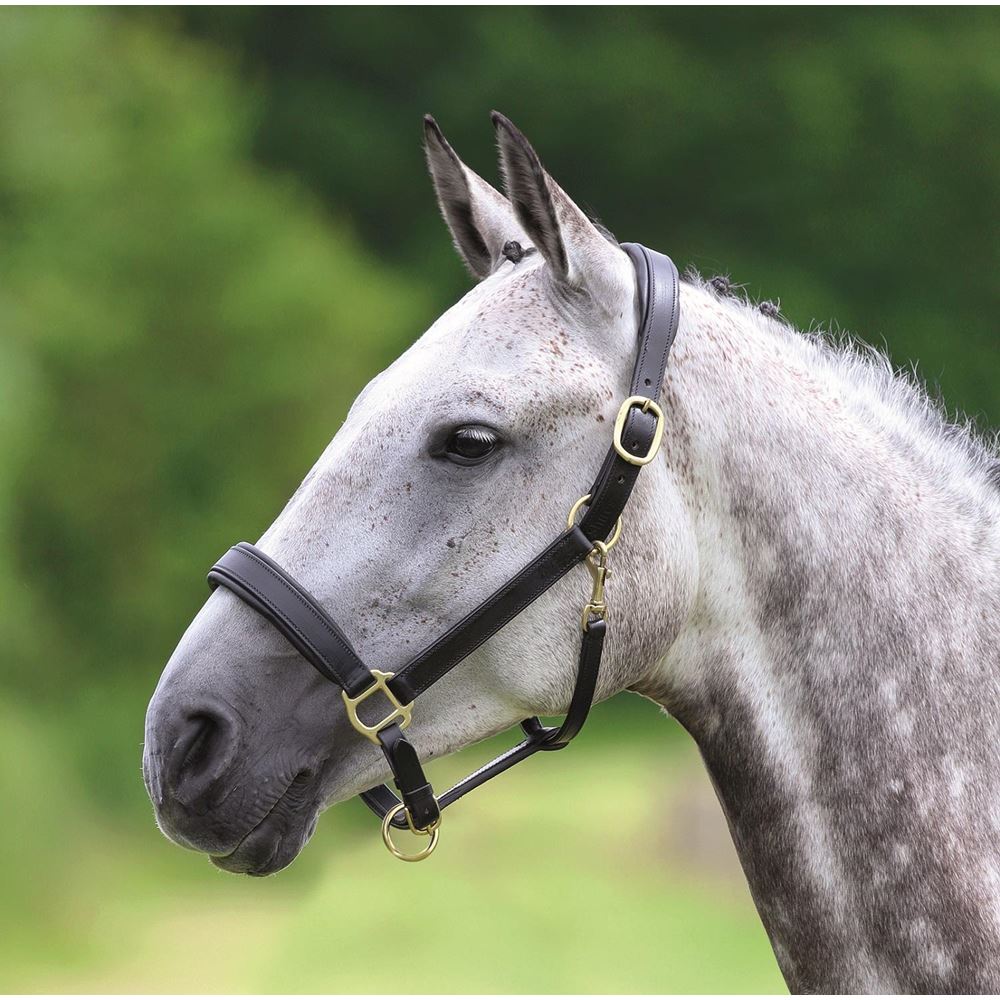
x=808 y=580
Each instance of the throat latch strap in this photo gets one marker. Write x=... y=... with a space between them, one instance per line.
x=536 y=737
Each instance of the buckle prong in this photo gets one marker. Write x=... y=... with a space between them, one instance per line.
x=399 y=711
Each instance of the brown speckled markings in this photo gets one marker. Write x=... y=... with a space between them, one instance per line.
x=809 y=580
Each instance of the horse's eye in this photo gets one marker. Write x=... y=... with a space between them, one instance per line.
x=471 y=444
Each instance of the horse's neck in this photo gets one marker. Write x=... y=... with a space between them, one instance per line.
x=840 y=671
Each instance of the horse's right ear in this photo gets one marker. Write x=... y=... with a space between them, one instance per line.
x=480 y=219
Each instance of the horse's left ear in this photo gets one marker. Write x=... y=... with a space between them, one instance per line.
x=479 y=218
x=571 y=244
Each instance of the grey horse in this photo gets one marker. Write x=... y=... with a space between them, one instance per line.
x=808 y=580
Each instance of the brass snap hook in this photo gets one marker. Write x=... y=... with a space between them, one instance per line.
x=596 y=561
x=432 y=831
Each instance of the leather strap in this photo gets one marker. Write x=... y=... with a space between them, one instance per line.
x=537 y=737
x=475 y=628
x=294 y=612
x=591 y=648
x=657 y=287
x=416 y=791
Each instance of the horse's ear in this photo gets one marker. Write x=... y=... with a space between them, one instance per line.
x=570 y=243
x=480 y=219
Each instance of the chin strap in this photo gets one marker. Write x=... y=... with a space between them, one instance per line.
x=259 y=581
x=422 y=810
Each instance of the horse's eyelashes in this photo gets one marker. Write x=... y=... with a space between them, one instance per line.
x=470 y=444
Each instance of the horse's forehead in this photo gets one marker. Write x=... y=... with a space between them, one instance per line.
x=504 y=335
x=505 y=306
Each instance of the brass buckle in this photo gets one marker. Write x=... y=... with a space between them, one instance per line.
x=433 y=831
x=647 y=405
x=399 y=711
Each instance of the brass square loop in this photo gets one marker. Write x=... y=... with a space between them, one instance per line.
x=648 y=405
x=399 y=711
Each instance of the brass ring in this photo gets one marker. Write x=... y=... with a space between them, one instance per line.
x=575 y=509
x=432 y=831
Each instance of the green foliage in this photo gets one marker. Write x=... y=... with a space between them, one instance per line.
x=215 y=227
x=842 y=161
x=182 y=335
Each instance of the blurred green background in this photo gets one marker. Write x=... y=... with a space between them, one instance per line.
x=215 y=227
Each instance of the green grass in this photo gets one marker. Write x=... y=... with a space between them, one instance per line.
x=561 y=877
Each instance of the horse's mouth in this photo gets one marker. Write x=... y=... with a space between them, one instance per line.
x=277 y=839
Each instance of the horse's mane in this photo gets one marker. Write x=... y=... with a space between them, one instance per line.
x=953 y=434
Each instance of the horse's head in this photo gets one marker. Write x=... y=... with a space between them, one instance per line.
x=454 y=467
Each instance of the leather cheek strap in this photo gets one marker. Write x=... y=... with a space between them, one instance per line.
x=658 y=295
x=488 y=618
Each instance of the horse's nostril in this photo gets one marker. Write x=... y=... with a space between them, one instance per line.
x=202 y=733
x=202 y=752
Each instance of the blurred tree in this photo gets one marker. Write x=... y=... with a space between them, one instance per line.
x=846 y=162
x=180 y=335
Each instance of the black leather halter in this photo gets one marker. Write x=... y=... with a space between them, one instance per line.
x=267 y=588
